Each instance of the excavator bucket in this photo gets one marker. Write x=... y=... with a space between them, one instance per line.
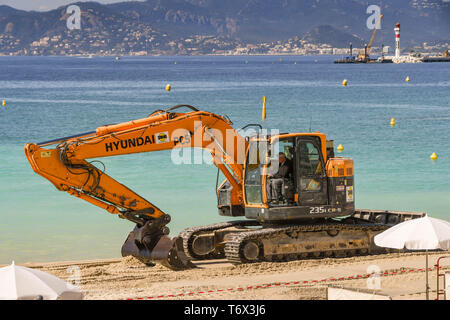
x=151 y=248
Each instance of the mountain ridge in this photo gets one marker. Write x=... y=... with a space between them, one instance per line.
x=171 y=23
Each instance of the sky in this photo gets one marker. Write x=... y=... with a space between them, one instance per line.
x=46 y=5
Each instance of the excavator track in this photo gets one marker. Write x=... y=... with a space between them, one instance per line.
x=286 y=243
x=188 y=236
x=246 y=241
x=242 y=244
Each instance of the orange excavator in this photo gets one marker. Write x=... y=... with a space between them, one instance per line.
x=313 y=214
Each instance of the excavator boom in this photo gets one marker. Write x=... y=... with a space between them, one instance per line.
x=374 y=33
x=66 y=166
x=365 y=55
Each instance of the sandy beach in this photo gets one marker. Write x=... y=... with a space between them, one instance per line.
x=401 y=276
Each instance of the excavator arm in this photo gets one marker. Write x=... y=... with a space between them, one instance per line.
x=66 y=166
x=374 y=33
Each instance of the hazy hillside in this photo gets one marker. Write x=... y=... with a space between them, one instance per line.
x=166 y=26
x=331 y=36
x=272 y=20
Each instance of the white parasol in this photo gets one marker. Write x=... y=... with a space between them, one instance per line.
x=424 y=233
x=21 y=283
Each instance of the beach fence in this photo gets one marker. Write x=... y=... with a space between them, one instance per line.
x=343 y=293
x=447 y=285
x=446 y=276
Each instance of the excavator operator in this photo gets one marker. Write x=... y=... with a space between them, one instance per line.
x=276 y=181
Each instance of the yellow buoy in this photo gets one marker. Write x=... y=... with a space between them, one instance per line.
x=168 y=87
x=344 y=83
x=340 y=148
x=433 y=156
x=175 y=62
x=3 y=103
x=264 y=108
x=407 y=79
x=392 y=122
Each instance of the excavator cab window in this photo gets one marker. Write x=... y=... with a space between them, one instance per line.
x=280 y=187
x=311 y=180
x=309 y=162
x=254 y=166
x=286 y=146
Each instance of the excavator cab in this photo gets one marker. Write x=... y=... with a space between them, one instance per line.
x=317 y=186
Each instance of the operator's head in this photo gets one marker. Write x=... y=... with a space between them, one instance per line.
x=281 y=157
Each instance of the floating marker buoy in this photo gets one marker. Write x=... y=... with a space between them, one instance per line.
x=433 y=156
x=168 y=87
x=175 y=62
x=3 y=103
x=392 y=122
x=246 y=61
x=407 y=79
x=344 y=83
x=295 y=62
x=340 y=148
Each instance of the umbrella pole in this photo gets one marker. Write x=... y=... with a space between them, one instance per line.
x=428 y=288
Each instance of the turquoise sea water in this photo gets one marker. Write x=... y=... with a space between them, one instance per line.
x=51 y=97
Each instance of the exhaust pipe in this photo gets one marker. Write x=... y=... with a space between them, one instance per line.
x=150 y=244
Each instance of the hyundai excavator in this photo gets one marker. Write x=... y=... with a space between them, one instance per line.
x=314 y=216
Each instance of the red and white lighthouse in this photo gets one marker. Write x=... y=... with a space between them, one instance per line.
x=397 y=40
